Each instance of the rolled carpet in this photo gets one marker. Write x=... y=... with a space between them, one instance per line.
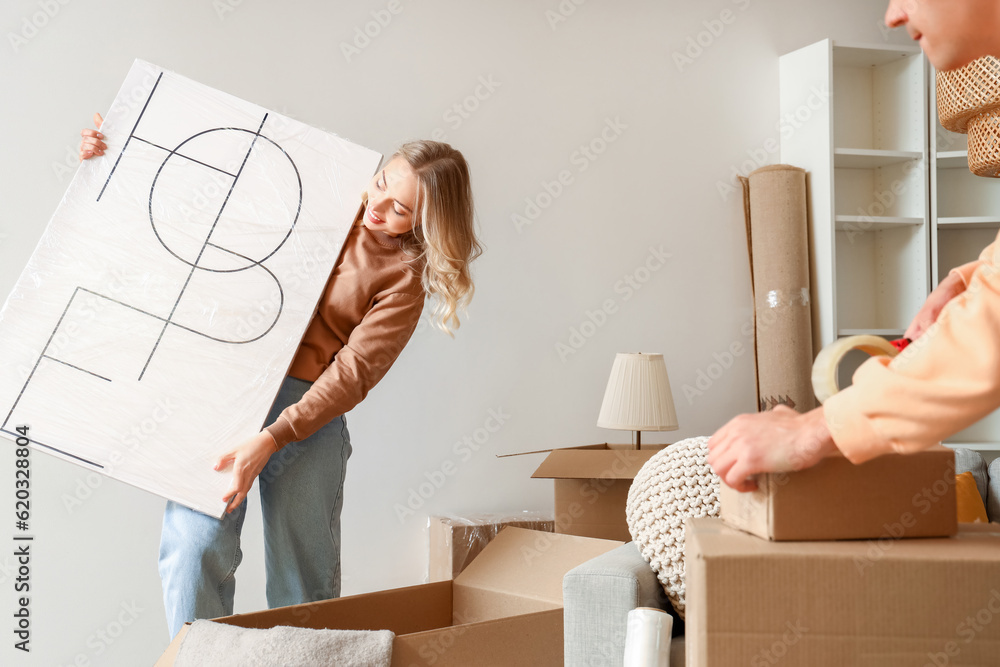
x=211 y=644
x=778 y=240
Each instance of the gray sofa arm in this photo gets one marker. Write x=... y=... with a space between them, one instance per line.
x=597 y=597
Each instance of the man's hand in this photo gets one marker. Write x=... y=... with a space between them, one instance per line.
x=247 y=460
x=946 y=290
x=780 y=440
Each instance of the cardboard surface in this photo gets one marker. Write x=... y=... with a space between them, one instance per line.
x=870 y=603
x=455 y=541
x=591 y=487
x=911 y=495
x=505 y=609
x=156 y=319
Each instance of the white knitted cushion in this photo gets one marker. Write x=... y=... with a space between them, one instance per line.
x=675 y=484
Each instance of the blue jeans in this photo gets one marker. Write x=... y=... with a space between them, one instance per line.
x=301 y=495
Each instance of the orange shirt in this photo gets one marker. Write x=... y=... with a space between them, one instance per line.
x=368 y=311
x=943 y=382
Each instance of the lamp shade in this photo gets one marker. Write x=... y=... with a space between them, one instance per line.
x=638 y=396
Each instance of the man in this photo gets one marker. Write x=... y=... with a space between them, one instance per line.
x=949 y=377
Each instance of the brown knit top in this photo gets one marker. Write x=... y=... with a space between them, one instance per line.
x=369 y=309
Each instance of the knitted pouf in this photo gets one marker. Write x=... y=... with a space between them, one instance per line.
x=675 y=484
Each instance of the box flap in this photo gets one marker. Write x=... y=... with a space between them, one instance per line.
x=595 y=463
x=521 y=571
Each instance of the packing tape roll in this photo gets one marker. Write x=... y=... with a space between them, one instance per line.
x=824 y=374
x=647 y=638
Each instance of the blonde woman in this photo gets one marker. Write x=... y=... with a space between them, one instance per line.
x=413 y=237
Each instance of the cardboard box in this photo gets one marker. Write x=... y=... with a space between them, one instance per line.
x=873 y=603
x=455 y=540
x=834 y=500
x=591 y=486
x=504 y=609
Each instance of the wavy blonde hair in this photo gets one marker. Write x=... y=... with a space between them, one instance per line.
x=443 y=235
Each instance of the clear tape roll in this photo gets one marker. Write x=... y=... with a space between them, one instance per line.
x=647 y=638
x=824 y=374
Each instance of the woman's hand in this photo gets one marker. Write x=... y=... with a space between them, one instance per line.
x=947 y=290
x=779 y=440
x=93 y=141
x=247 y=460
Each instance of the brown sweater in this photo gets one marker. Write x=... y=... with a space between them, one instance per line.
x=369 y=309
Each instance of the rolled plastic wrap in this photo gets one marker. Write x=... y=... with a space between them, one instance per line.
x=456 y=540
x=778 y=240
x=160 y=312
x=647 y=638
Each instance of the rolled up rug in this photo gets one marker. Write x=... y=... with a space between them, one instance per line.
x=212 y=644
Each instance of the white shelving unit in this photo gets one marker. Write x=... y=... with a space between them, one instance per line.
x=965 y=218
x=892 y=204
x=866 y=150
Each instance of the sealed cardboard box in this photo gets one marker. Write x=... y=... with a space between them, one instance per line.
x=849 y=603
x=912 y=494
x=504 y=609
x=456 y=540
x=591 y=486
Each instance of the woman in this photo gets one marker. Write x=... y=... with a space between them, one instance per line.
x=413 y=237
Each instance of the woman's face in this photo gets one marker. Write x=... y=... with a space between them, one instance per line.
x=392 y=195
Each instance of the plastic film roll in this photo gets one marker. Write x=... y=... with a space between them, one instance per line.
x=824 y=373
x=647 y=638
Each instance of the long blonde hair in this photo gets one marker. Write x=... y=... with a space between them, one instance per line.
x=443 y=235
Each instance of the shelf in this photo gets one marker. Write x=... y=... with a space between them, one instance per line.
x=969 y=221
x=868 y=158
x=870 y=55
x=953 y=160
x=885 y=333
x=979 y=446
x=865 y=223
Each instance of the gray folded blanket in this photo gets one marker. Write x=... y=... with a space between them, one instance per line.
x=211 y=644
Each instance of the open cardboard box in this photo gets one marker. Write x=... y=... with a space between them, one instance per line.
x=900 y=495
x=504 y=609
x=591 y=486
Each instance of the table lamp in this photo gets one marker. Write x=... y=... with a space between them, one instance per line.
x=638 y=396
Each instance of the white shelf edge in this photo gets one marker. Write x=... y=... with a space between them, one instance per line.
x=968 y=221
x=864 y=223
x=895 y=333
x=869 y=158
x=980 y=446
x=953 y=159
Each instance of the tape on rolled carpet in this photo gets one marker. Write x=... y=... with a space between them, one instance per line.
x=778 y=240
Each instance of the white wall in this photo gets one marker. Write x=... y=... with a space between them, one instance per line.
x=684 y=131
